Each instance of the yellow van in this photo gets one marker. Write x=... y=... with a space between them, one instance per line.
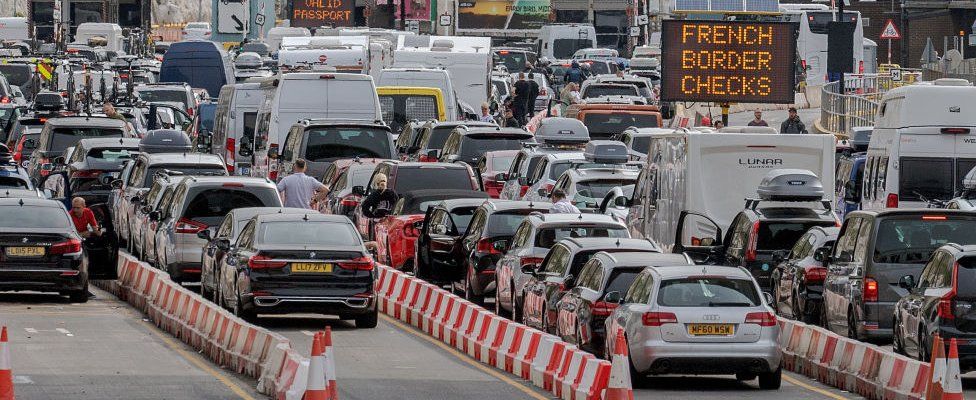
x=401 y=104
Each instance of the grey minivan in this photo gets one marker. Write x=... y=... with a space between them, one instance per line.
x=874 y=249
x=322 y=141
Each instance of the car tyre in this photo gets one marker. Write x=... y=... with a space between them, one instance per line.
x=79 y=296
x=241 y=313
x=771 y=380
x=516 y=310
x=469 y=292
x=851 y=325
x=896 y=345
x=923 y=348
x=745 y=376
x=367 y=321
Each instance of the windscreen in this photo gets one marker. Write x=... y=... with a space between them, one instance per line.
x=504 y=223
x=209 y=206
x=592 y=191
x=33 y=217
x=474 y=146
x=167 y=95
x=307 y=233
x=207 y=114
x=330 y=144
x=62 y=138
x=707 y=291
x=438 y=136
x=596 y=68
x=912 y=239
x=607 y=90
x=514 y=61
x=783 y=235
x=606 y=125
x=546 y=237
x=16 y=74
x=564 y=48
x=410 y=179
x=11 y=182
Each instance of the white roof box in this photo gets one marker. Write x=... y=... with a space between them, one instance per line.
x=951 y=82
x=969 y=182
x=324 y=42
x=606 y=152
x=790 y=185
x=556 y=130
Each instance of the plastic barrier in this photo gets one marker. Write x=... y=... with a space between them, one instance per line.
x=551 y=364
x=227 y=340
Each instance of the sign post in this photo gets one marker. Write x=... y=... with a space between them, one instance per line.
x=890 y=32
x=233 y=16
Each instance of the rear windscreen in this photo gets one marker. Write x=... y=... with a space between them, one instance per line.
x=598 y=91
x=513 y=61
x=16 y=74
x=409 y=179
x=546 y=237
x=33 y=217
x=621 y=279
x=641 y=144
x=10 y=182
x=707 y=291
x=209 y=206
x=112 y=154
x=783 y=235
x=564 y=48
x=330 y=144
x=163 y=95
x=912 y=239
x=590 y=191
x=438 y=136
x=504 y=223
x=606 y=125
x=62 y=138
x=462 y=217
x=207 y=117
x=501 y=163
x=475 y=146
x=307 y=233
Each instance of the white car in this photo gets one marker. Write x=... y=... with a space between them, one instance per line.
x=197 y=30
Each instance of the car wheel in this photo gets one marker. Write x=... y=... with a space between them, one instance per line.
x=469 y=292
x=923 y=347
x=79 y=296
x=516 y=310
x=367 y=321
x=638 y=380
x=241 y=313
x=851 y=325
x=799 y=313
x=745 y=376
x=823 y=316
x=771 y=380
x=896 y=344
x=545 y=320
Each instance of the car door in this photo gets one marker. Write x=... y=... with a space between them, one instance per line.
x=233 y=271
x=785 y=273
x=690 y=241
x=837 y=285
x=468 y=242
x=443 y=246
x=212 y=255
x=102 y=250
x=908 y=311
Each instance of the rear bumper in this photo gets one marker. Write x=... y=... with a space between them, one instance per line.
x=329 y=305
x=659 y=357
x=42 y=280
x=185 y=271
x=875 y=322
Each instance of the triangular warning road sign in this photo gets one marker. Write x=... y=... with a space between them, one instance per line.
x=890 y=31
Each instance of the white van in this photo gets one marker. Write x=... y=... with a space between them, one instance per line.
x=296 y=96
x=234 y=122
x=112 y=33
x=344 y=53
x=276 y=34
x=424 y=77
x=467 y=59
x=713 y=173
x=922 y=146
x=561 y=41
x=14 y=29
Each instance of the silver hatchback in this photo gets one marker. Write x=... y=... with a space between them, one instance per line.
x=711 y=320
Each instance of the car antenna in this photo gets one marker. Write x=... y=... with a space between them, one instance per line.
x=581 y=216
x=279 y=210
x=21 y=202
x=305 y=218
x=618 y=242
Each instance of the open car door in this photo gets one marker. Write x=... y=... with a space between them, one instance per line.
x=699 y=237
x=103 y=250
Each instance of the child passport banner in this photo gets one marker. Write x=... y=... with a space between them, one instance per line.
x=502 y=14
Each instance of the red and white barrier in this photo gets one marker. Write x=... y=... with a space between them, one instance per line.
x=227 y=340
x=550 y=363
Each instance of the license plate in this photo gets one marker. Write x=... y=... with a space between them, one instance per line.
x=245 y=171
x=321 y=268
x=711 y=329
x=25 y=251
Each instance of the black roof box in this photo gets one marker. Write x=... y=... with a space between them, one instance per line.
x=165 y=141
x=556 y=130
x=606 y=152
x=790 y=185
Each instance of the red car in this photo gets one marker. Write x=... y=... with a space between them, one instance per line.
x=397 y=232
x=492 y=164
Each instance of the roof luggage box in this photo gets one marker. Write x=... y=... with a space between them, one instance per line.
x=165 y=141
x=559 y=130
x=790 y=185
x=606 y=152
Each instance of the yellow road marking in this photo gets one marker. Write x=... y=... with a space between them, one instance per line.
x=815 y=389
x=192 y=358
x=464 y=357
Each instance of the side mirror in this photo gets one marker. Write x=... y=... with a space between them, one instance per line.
x=501 y=176
x=501 y=245
x=359 y=190
x=906 y=282
x=530 y=269
x=204 y=234
x=621 y=202
x=780 y=255
x=821 y=255
x=106 y=179
x=613 y=297
x=543 y=192
x=223 y=244
x=32 y=143
x=273 y=153
x=47 y=167
x=769 y=298
x=59 y=160
x=145 y=209
x=154 y=215
x=135 y=199
x=48 y=193
x=438 y=229
x=117 y=184
x=433 y=154
x=381 y=213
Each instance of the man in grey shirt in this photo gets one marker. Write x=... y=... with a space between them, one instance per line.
x=298 y=190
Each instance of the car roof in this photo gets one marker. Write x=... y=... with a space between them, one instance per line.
x=563 y=218
x=244 y=180
x=250 y=212
x=792 y=213
x=439 y=194
x=308 y=215
x=494 y=131
x=566 y=155
x=894 y=212
x=587 y=174
x=93 y=121
x=32 y=202
x=183 y=158
x=505 y=205
x=461 y=203
x=90 y=143
x=442 y=124
x=610 y=243
x=432 y=165
x=637 y=259
x=684 y=271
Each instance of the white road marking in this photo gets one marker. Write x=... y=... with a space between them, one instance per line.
x=309 y=333
x=30 y=330
x=64 y=331
x=23 y=380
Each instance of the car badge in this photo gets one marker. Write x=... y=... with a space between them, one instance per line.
x=24 y=240
x=710 y=317
x=311 y=255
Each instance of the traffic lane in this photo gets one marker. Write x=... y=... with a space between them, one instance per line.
x=794 y=386
x=104 y=349
x=395 y=360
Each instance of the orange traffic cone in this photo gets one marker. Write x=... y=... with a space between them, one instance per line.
x=6 y=374
x=619 y=388
x=951 y=383
x=937 y=370
x=330 y=377
x=316 y=389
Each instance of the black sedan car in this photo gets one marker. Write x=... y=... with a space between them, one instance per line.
x=438 y=254
x=299 y=263
x=95 y=163
x=941 y=302
x=797 y=282
x=41 y=250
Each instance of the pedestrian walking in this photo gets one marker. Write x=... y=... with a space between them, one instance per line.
x=299 y=190
x=758 y=119
x=793 y=123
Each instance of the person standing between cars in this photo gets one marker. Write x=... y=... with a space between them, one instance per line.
x=565 y=98
x=486 y=113
x=533 y=94
x=719 y=124
x=380 y=198
x=793 y=123
x=110 y=112
x=522 y=92
x=574 y=74
x=299 y=190
x=758 y=119
x=560 y=204
x=83 y=219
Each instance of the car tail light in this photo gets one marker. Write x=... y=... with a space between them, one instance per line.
x=411 y=230
x=93 y=173
x=525 y=188
x=955 y=131
x=350 y=201
x=4 y=99
x=862 y=62
x=753 y=239
x=259 y=261
x=185 y=225
x=426 y=158
x=815 y=275
x=273 y=175
x=870 y=289
x=947 y=304
x=230 y=150
x=19 y=152
x=363 y=263
x=659 y=318
x=485 y=246
x=189 y=111
x=761 y=318
x=892 y=201
x=603 y=309
x=69 y=246
x=530 y=260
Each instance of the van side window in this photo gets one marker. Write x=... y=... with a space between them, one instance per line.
x=631 y=296
x=868 y=179
x=293 y=142
x=847 y=240
x=863 y=240
x=882 y=174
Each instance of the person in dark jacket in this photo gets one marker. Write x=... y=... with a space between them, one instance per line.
x=521 y=101
x=575 y=74
x=793 y=123
x=380 y=198
x=533 y=94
